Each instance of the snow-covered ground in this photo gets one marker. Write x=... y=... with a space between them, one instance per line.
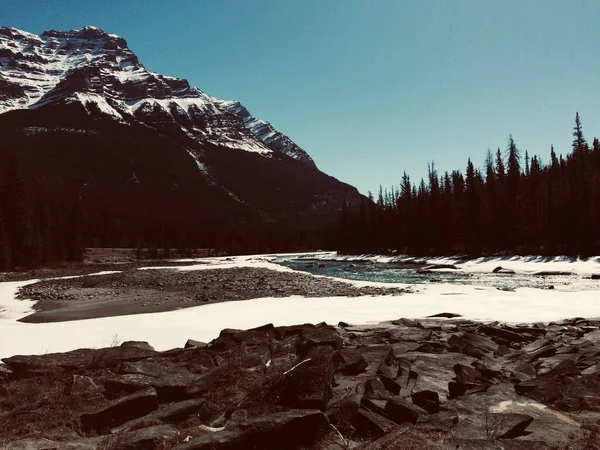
x=171 y=329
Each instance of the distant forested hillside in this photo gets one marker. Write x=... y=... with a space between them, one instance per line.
x=515 y=204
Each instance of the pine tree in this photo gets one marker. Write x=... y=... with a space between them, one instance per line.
x=579 y=143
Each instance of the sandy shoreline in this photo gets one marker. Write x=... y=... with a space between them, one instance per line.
x=147 y=291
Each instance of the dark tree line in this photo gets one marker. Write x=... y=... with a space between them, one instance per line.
x=34 y=231
x=514 y=204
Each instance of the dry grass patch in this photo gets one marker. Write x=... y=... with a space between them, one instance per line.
x=35 y=405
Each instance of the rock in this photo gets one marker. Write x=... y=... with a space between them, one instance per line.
x=308 y=386
x=431 y=267
x=591 y=370
x=47 y=444
x=472 y=344
x=229 y=338
x=351 y=362
x=487 y=444
x=593 y=337
x=171 y=386
x=510 y=425
x=376 y=355
x=342 y=413
x=390 y=440
x=140 y=368
x=405 y=335
x=138 y=344
x=400 y=411
x=502 y=334
x=81 y=384
x=446 y=315
x=390 y=384
x=441 y=422
x=75 y=360
x=371 y=425
x=285 y=430
x=435 y=372
x=319 y=336
x=428 y=400
x=120 y=411
x=61 y=434
x=544 y=352
x=173 y=412
x=544 y=389
x=465 y=374
x=501 y=269
x=375 y=389
x=5 y=372
x=190 y=343
x=459 y=388
x=204 y=383
x=292 y=330
x=145 y=438
x=377 y=406
x=405 y=322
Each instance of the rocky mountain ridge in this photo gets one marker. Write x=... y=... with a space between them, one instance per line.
x=98 y=71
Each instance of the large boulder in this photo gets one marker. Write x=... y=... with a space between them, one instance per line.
x=371 y=425
x=351 y=361
x=472 y=344
x=80 y=359
x=317 y=337
x=401 y=411
x=153 y=437
x=121 y=410
x=171 y=413
x=285 y=430
x=170 y=386
x=309 y=384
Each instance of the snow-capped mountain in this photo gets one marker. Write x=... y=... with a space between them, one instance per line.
x=97 y=70
x=144 y=151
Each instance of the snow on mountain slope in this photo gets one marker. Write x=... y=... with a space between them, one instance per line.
x=99 y=71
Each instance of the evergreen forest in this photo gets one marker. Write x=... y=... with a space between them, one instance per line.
x=515 y=204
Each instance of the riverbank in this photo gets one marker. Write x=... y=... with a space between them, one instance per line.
x=133 y=291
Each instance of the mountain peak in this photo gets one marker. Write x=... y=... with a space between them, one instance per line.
x=97 y=70
x=87 y=32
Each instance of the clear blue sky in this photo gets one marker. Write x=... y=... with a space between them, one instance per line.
x=370 y=88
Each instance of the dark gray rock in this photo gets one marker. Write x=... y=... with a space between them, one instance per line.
x=75 y=360
x=503 y=334
x=121 y=410
x=138 y=344
x=401 y=411
x=309 y=385
x=171 y=386
x=140 y=368
x=428 y=400
x=368 y=424
x=446 y=315
x=472 y=344
x=317 y=337
x=173 y=412
x=351 y=362
x=190 y=343
x=285 y=430
x=142 y=439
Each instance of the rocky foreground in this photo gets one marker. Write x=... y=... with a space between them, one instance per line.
x=424 y=384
